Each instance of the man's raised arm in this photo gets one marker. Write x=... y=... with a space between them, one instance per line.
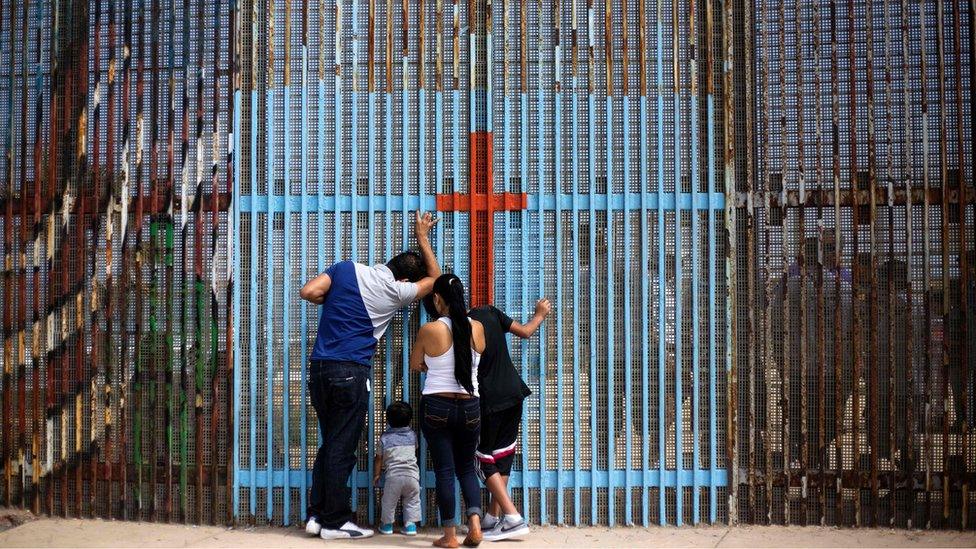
x=422 y=227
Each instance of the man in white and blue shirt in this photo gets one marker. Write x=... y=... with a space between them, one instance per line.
x=358 y=302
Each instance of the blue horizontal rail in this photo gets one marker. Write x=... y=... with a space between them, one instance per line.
x=613 y=201
x=600 y=478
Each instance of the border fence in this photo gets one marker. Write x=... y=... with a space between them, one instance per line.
x=755 y=219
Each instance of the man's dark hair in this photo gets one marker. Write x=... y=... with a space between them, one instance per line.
x=408 y=265
x=399 y=414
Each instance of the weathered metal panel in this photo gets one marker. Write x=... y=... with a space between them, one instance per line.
x=116 y=380
x=848 y=98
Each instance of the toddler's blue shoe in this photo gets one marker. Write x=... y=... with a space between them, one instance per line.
x=409 y=529
x=386 y=529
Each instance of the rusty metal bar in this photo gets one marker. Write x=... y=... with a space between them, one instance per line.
x=944 y=246
x=765 y=238
x=964 y=265
x=891 y=342
x=785 y=363
x=821 y=306
x=835 y=156
x=927 y=285
x=910 y=279
x=802 y=260
x=872 y=384
x=856 y=292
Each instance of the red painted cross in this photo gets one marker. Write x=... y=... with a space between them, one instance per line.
x=481 y=203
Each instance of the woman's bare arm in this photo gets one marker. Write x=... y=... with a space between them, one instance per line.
x=417 y=352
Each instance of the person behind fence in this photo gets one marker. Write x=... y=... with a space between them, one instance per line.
x=398 y=455
x=358 y=302
x=502 y=393
x=449 y=350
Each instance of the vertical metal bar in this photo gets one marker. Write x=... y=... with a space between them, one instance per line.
x=765 y=133
x=524 y=225
x=712 y=243
x=944 y=246
x=611 y=347
x=661 y=268
x=8 y=286
x=786 y=365
x=354 y=168
x=802 y=260
x=371 y=214
x=873 y=426
x=591 y=143
x=628 y=382
x=252 y=226
x=168 y=261
x=214 y=364
x=964 y=265
x=93 y=362
x=111 y=388
x=198 y=280
x=405 y=177
x=576 y=260
x=642 y=39
x=138 y=380
x=557 y=194
x=38 y=235
x=892 y=342
x=456 y=125
x=838 y=244
x=286 y=275
x=320 y=137
x=856 y=298
x=269 y=125
x=821 y=313
x=695 y=283
x=927 y=278
x=678 y=413
x=303 y=239
x=233 y=259
x=388 y=171
x=644 y=259
x=184 y=388
x=540 y=181
x=731 y=256
x=337 y=118
x=908 y=171
x=751 y=266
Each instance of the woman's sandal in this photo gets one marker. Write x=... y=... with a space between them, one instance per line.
x=444 y=542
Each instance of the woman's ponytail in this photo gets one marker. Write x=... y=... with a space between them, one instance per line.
x=449 y=287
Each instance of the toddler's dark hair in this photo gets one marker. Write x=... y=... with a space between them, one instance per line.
x=399 y=414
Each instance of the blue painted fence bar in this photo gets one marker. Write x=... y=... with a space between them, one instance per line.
x=620 y=429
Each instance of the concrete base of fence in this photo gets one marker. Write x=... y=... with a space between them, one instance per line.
x=98 y=533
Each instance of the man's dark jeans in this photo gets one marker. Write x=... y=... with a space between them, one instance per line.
x=340 y=396
x=452 y=428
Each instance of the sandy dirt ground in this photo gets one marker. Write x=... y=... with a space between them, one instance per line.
x=97 y=533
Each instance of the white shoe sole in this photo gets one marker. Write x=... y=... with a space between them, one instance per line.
x=514 y=533
x=342 y=535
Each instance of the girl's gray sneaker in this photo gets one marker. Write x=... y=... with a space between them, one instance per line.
x=507 y=528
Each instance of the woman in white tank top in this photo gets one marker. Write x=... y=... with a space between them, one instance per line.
x=448 y=350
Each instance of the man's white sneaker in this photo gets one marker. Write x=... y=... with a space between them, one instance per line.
x=347 y=531
x=312 y=527
x=507 y=529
